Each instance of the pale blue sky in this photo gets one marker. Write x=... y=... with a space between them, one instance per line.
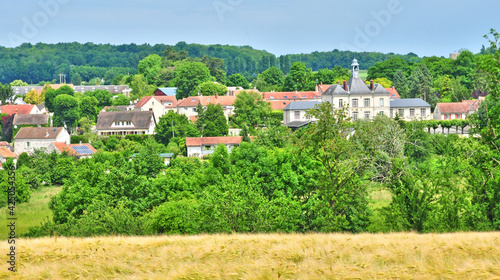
x=294 y=26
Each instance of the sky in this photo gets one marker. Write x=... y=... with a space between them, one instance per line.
x=423 y=27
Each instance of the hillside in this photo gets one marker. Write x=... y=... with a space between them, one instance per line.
x=272 y=256
x=44 y=62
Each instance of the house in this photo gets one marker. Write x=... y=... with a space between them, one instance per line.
x=159 y=105
x=410 y=108
x=297 y=112
x=455 y=110
x=166 y=91
x=362 y=101
x=203 y=146
x=125 y=123
x=29 y=139
x=30 y=119
x=279 y=104
x=19 y=109
x=294 y=95
x=41 y=108
x=6 y=153
x=167 y=157
x=393 y=93
x=77 y=150
x=187 y=106
x=5 y=144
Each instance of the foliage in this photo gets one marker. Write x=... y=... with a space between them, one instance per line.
x=299 y=78
x=211 y=89
x=212 y=122
x=174 y=125
x=250 y=109
x=33 y=97
x=188 y=75
x=6 y=93
x=238 y=80
x=88 y=108
x=65 y=110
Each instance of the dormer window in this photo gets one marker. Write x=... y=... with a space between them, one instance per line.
x=285 y=96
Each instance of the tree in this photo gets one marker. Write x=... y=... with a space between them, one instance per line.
x=188 y=75
x=211 y=89
x=387 y=69
x=216 y=68
x=65 y=90
x=299 y=78
x=250 y=109
x=386 y=83
x=65 y=110
x=103 y=97
x=238 y=80
x=88 y=108
x=6 y=93
x=33 y=97
x=401 y=84
x=121 y=100
x=272 y=76
x=174 y=125
x=212 y=121
x=76 y=79
x=150 y=67
x=18 y=83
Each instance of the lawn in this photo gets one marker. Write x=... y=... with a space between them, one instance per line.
x=32 y=213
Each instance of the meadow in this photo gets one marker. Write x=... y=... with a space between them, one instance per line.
x=262 y=256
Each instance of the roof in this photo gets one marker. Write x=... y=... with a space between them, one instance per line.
x=409 y=102
x=30 y=119
x=162 y=99
x=41 y=106
x=168 y=91
x=322 y=88
x=140 y=119
x=193 y=101
x=198 y=141
x=75 y=149
x=291 y=95
x=279 y=104
x=38 y=132
x=297 y=124
x=357 y=86
x=4 y=143
x=6 y=153
x=393 y=93
x=21 y=109
x=302 y=105
x=335 y=89
x=458 y=107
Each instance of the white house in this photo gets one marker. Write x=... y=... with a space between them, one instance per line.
x=159 y=105
x=125 y=123
x=297 y=112
x=455 y=110
x=29 y=139
x=187 y=106
x=202 y=146
x=411 y=108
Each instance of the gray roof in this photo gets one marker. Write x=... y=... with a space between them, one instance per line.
x=140 y=119
x=168 y=91
x=357 y=86
x=301 y=105
x=41 y=106
x=297 y=124
x=30 y=119
x=378 y=88
x=335 y=89
x=38 y=132
x=409 y=102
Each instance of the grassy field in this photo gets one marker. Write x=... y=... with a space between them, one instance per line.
x=363 y=74
x=265 y=256
x=31 y=213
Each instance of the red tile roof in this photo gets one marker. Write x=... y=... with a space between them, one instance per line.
x=63 y=147
x=193 y=101
x=21 y=109
x=279 y=104
x=322 y=88
x=161 y=99
x=198 y=141
x=393 y=93
x=4 y=143
x=458 y=107
x=299 y=95
x=6 y=153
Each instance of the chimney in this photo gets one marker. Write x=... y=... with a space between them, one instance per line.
x=321 y=83
x=371 y=85
x=345 y=85
x=216 y=95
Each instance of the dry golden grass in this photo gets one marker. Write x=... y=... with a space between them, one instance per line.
x=265 y=256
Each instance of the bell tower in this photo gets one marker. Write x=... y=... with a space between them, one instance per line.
x=355 y=68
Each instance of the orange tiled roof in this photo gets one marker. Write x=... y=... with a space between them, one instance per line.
x=193 y=101
x=279 y=104
x=6 y=153
x=21 y=109
x=160 y=99
x=393 y=92
x=322 y=88
x=63 y=147
x=198 y=141
x=458 y=107
x=292 y=95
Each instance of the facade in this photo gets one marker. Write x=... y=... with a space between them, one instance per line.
x=455 y=110
x=362 y=101
x=125 y=123
x=203 y=146
x=187 y=106
x=159 y=105
x=297 y=111
x=29 y=139
x=411 y=108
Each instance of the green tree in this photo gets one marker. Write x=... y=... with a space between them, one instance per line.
x=401 y=84
x=238 y=80
x=150 y=67
x=88 y=108
x=386 y=83
x=188 y=75
x=121 y=100
x=299 y=78
x=216 y=68
x=65 y=110
x=251 y=109
x=174 y=125
x=18 y=83
x=272 y=76
x=212 y=121
x=387 y=68
x=65 y=90
x=76 y=79
x=6 y=93
x=211 y=88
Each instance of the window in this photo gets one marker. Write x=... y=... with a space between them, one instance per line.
x=381 y=113
x=341 y=103
x=354 y=116
x=401 y=112
x=367 y=102
x=367 y=115
x=355 y=103
x=208 y=148
x=412 y=112
x=150 y=109
x=194 y=109
x=381 y=102
x=423 y=113
x=285 y=96
x=297 y=115
x=28 y=145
